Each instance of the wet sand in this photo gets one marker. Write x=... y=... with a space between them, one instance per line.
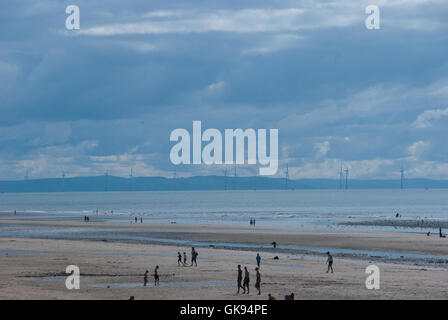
x=113 y=259
x=406 y=223
x=253 y=238
x=34 y=269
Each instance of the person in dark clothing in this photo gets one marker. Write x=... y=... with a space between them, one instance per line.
x=156 y=277
x=246 y=280
x=258 y=281
x=194 y=256
x=240 y=279
x=145 y=278
x=329 y=262
x=179 y=259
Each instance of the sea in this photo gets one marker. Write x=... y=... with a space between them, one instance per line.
x=269 y=208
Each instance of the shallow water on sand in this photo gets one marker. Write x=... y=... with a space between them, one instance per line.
x=92 y=234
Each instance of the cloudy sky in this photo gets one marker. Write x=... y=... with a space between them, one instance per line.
x=107 y=96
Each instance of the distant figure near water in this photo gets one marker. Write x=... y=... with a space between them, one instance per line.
x=274 y=244
x=330 y=262
x=258 y=260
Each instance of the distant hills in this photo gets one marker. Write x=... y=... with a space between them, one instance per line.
x=111 y=183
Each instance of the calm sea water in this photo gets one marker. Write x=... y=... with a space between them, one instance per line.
x=298 y=208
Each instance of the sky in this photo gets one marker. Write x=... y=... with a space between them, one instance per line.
x=106 y=97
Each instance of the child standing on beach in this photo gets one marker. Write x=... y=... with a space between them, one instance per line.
x=185 y=259
x=145 y=278
x=258 y=260
x=330 y=262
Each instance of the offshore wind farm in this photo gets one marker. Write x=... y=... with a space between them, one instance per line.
x=225 y=182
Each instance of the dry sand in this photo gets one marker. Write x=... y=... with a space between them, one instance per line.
x=26 y=263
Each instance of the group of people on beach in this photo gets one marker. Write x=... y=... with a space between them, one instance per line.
x=136 y=220
x=194 y=257
x=246 y=280
x=242 y=281
x=156 y=277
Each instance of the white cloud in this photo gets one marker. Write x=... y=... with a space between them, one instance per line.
x=240 y=21
x=369 y=102
x=329 y=169
x=307 y=15
x=417 y=149
x=215 y=87
x=424 y=120
x=139 y=46
x=247 y=20
x=274 y=43
x=380 y=99
x=50 y=161
x=322 y=148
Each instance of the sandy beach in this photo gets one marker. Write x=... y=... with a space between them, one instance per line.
x=112 y=264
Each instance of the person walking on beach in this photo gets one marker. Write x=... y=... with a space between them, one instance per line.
x=145 y=278
x=179 y=259
x=185 y=259
x=135 y=219
x=156 y=277
x=258 y=260
x=239 y=279
x=330 y=262
x=194 y=255
x=246 y=280
x=258 y=280
x=141 y=220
